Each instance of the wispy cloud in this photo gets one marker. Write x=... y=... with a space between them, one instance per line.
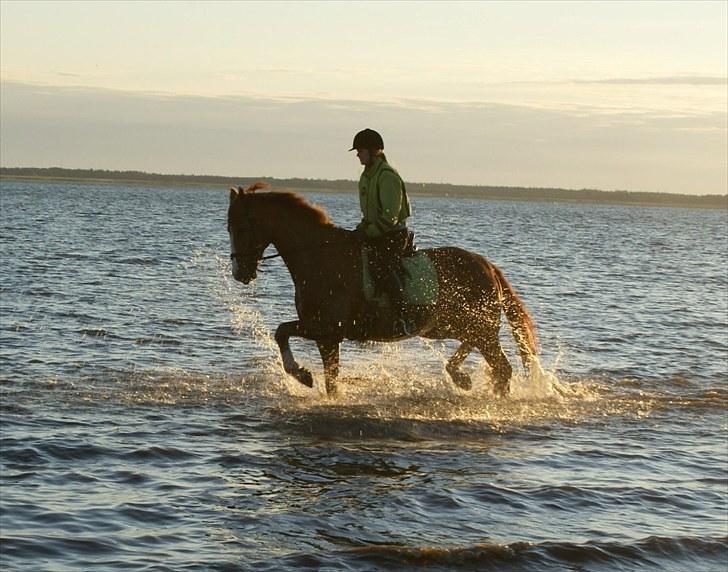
x=456 y=142
x=669 y=80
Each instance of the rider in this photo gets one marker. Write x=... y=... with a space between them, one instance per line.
x=385 y=209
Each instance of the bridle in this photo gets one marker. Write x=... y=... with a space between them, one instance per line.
x=236 y=257
x=246 y=226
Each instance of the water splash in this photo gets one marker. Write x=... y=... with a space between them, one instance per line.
x=538 y=384
x=397 y=382
x=246 y=320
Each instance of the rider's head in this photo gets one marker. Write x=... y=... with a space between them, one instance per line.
x=368 y=144
x=368 y=139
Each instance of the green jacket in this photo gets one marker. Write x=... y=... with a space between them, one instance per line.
x=383 y=200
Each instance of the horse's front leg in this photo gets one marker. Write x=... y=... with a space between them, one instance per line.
x=283 y=333
x=329 y=350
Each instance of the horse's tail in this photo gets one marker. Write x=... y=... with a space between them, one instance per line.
x=522 y=326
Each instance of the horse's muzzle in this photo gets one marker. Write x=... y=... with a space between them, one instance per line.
x=245 y=278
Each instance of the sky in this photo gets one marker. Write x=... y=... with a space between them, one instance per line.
x=601 y=95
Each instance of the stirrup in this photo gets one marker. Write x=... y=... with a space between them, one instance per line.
x=405 y=327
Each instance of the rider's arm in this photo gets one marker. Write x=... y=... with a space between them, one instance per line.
x=390 y=200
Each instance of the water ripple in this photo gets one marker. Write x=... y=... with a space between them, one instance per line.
x=146 y=422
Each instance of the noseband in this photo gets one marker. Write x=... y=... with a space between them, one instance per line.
x=245 y=226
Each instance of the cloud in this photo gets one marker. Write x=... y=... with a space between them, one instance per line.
x=429 y=141
x=670 y=80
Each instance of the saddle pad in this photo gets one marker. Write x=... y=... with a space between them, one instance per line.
x=418 y=275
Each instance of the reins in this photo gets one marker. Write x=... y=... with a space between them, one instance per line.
x=296 y=251
x=279 y=254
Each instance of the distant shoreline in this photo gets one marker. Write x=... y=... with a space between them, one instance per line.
x=627 y=198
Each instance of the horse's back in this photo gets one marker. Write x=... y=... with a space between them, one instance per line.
x=465 y=278
x=452 y=262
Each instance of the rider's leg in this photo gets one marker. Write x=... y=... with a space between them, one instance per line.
x=387 y=252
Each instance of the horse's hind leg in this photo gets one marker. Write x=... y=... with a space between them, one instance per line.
x=329 y=350
x=497 y=360
x=458 y=376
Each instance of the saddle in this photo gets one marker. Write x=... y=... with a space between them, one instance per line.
x=416 y=273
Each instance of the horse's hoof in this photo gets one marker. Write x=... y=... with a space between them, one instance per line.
x=304 y=376
x=331 y=388
x=502 y=390
x=462 y=380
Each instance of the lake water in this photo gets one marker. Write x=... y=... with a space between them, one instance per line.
x=147 y=424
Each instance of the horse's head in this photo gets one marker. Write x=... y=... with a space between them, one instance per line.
x=247 y=237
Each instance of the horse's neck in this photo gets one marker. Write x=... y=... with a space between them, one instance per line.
x=306 y=246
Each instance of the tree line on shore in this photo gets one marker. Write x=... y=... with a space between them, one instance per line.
x=342 y=185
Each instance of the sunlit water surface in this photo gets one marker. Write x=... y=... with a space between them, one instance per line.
x=147 y=424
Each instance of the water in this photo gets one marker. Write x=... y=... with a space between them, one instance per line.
x=147 y=425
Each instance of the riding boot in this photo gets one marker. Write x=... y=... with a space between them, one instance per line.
x=393 y=287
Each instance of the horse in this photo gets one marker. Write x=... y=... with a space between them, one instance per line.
x=325 y=264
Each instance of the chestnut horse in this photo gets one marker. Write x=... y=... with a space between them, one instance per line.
x=325 y=264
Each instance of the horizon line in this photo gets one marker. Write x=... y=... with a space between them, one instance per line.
x=353 y=181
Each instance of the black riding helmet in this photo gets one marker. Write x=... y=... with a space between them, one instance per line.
x=367 y=139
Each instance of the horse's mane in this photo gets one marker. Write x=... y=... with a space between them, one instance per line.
x=297 y=204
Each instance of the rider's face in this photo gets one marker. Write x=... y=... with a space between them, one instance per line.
x=364 y=155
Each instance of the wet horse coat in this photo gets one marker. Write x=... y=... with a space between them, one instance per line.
x=325 y=264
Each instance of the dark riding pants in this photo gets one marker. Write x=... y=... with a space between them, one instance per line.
x=386 y=253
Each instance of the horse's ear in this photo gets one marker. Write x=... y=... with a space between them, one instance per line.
x=233 y=194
